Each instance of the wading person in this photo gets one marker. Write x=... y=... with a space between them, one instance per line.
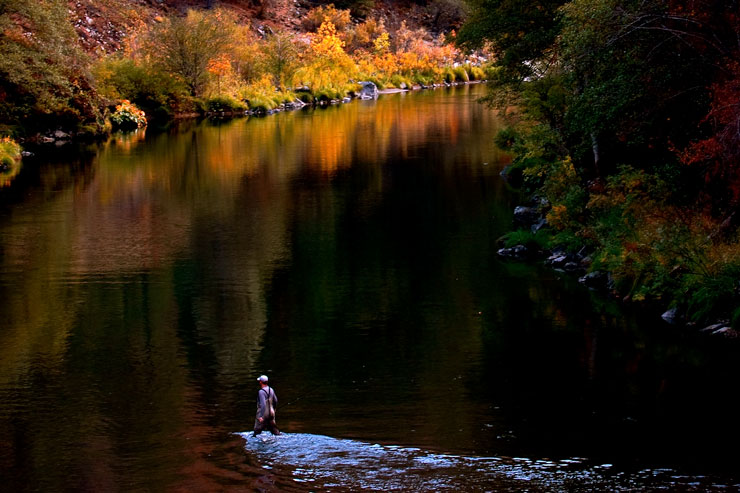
x=266 y=402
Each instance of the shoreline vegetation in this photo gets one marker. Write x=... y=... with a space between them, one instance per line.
x=623 y=117
x=623 y=121
x=204 y=62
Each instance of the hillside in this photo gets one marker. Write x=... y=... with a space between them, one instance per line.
x=102 y=25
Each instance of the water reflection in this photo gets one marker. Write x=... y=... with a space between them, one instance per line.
x=349 y=253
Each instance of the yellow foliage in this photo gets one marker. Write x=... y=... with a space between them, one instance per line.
x=261 y=87
x=363 y=36
x=557 y=217
x=326 y=43
x=382 y=43
x=319 y=75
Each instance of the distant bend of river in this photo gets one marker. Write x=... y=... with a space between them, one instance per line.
x=350 y=254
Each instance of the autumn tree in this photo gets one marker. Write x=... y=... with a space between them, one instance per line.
x=184 y=46
x=247 y=53
x=330 y=65
x=219 y=67
x=280 y=57
x=710 y=27
x=362 y=35
x=327 y=45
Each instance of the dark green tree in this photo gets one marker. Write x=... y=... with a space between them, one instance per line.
x=521 y=32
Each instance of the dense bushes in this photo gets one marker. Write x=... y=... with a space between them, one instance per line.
x=157 y=93
x=626 y=122
x=43 y=77
x=225 y=104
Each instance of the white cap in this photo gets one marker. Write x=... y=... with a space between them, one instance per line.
x=262 y=378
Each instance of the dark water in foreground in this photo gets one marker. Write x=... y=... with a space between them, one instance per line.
x=349 y=253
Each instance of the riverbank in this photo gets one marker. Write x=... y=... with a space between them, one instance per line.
x=209 y=62
x=630 y=141
x=368 y=90
x=536 y=240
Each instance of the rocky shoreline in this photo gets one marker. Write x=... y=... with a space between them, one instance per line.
x=532 y=217
x=368 y=91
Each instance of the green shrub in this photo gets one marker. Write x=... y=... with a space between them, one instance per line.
x=156 y=92
x=379 y=83
x=422 y=79
x=328 y=94
x=284 y=97
x=10 y=160
x=261 y=104
x=397 y=80
x=9 y=149
x=224 y=104
x=460 y=74
x=540 y=240
x=448 y=75
x=506 y=138
x=306 y=97
x=43 y=72
x=475 y=72
x=194 y=105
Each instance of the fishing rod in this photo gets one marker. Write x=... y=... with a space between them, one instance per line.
x=302 y=396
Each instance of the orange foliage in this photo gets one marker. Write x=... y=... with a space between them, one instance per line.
x=220 y=65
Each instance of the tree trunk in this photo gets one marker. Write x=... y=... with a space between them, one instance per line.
x=595 y=150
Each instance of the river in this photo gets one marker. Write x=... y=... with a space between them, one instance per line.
x=349 y=253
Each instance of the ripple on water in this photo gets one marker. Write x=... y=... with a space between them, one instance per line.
x=353 y=465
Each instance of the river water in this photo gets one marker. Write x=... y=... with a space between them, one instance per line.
x=350 y=254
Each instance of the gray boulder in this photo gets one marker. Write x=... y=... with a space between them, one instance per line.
x=728 y=332
x=517 y=251
x=672 y=316
x=526 y=215
x=541 y=223
x=368 y=90
x=597 y=279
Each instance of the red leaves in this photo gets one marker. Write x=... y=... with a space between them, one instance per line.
x=719 y=152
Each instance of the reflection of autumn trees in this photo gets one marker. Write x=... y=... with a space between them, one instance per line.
x=157 y=257
x=139 y=209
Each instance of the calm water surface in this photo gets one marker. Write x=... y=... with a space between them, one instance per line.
x=348 y=253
